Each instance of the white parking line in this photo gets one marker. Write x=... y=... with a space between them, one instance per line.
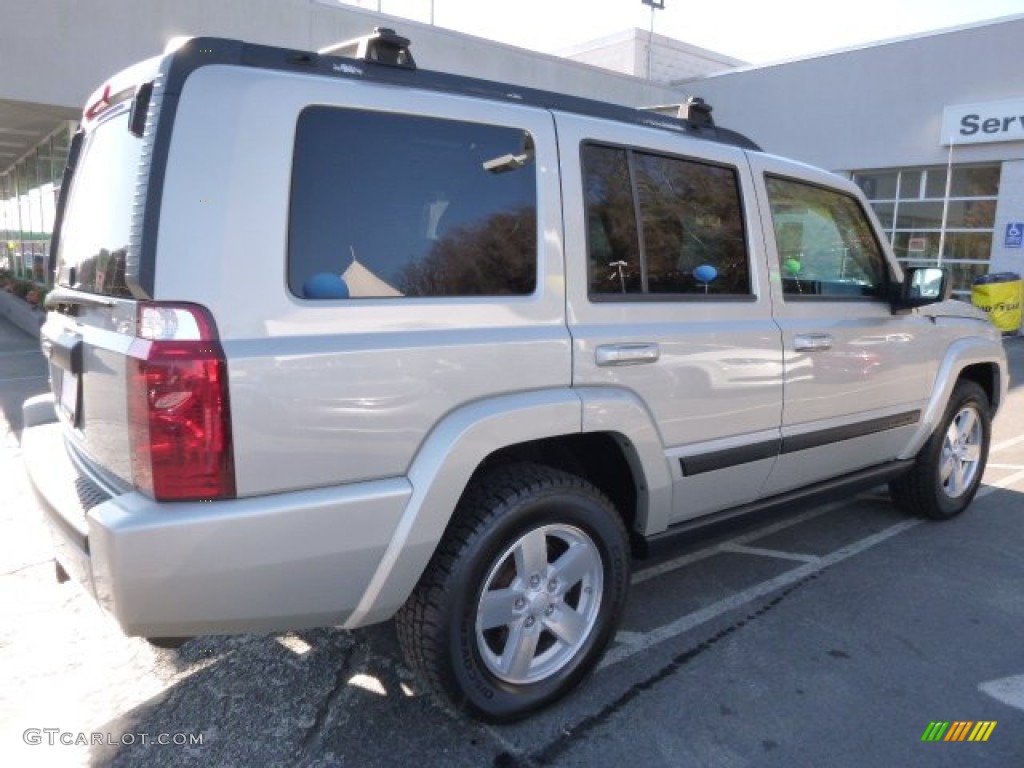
x=1009 y=690
x=739 y=549
x=693 y=557
x=25 y=378
x=1002 y=446
x=1001 y=484
x=782 y=525
x=630 y=644
x=671 y=565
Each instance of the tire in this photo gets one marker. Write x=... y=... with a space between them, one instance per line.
x=948 y=470
x=535 y=561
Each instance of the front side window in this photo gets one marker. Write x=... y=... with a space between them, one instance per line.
x=662 y=226
x=387 y=206
x=825 y=243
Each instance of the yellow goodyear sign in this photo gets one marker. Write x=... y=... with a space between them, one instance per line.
x=1000 y=301
x=958 y=730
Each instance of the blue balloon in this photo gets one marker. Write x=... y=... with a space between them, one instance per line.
x=325 y=285
x=705 y=273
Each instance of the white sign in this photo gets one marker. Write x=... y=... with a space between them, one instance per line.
x=983 y=123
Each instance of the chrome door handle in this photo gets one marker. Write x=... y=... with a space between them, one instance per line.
x=812 y=342
x=626 y=354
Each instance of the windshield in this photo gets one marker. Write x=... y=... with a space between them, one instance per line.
x=94 y=237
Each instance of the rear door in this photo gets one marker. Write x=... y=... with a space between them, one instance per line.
x=86 y=339
x=857 y=375
x=668 y=303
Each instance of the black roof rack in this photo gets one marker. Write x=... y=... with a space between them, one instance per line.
x=696 y=111
x=382 y=46
x=384 y=57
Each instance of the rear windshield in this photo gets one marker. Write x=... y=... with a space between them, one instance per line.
x=94 y=237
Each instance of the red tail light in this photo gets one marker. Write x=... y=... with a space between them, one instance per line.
x=178 y=408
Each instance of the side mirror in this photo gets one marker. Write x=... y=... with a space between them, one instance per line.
x=921 y=286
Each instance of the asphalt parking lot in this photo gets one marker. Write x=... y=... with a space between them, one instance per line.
x=828 y=636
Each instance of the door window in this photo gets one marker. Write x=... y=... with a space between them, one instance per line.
x=825 y=243
x=662 y=226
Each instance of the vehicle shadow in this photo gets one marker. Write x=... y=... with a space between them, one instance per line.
x=328 y=697
x=12 y=395
x=315 y=697
x=13 y=392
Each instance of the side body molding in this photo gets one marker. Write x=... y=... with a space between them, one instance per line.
x=961 y=354
x=439 y=473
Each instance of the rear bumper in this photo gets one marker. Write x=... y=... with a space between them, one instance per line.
x=272 y=563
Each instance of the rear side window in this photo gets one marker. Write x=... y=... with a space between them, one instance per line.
x=826 y=246
x=661 y=226
x=389 y=206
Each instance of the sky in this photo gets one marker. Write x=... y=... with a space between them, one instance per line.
x=755 y=31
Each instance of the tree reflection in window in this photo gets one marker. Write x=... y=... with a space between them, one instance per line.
x=691 y=218
x=494 y=257
x=103 y=272
x=614 y=250
x=690 y=237
x=400 y=206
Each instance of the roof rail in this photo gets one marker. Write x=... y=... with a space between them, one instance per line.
x=396 y=67
x=383 y=46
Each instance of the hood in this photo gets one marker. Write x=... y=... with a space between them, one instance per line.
x=953 y=308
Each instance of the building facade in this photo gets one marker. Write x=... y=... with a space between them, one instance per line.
x=28 y=203
x=56 y=52
x=654 y=57
x=931 y=127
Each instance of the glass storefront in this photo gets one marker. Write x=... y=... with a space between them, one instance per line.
x=935 y=216
x=28 y=204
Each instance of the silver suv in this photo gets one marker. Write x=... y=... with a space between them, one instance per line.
x=335 y=340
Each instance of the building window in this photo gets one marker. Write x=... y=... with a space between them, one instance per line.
x=28 y=200
x=936 y=217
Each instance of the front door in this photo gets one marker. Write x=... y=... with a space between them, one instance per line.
x=857 y=375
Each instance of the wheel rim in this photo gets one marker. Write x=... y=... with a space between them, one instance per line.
x=961 y=453
x=539 y=604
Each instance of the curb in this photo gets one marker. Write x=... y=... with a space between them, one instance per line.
x=20 y=314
